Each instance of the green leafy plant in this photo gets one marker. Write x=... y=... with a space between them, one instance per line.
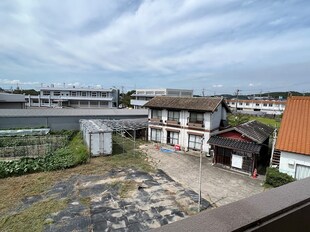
x=73 y=154
x=275 y=178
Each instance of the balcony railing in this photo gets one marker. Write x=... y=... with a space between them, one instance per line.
x=195 y=124
x=172 y=122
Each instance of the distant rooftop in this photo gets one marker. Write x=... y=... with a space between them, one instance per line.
x=68 y=112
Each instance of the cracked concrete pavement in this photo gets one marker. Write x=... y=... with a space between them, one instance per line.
x=219 y=186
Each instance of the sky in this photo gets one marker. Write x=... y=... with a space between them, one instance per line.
x=214 y=46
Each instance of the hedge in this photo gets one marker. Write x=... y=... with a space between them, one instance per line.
x=73 y=154
x=276 y=178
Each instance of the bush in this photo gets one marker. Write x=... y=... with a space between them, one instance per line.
x=73 y=154
x=276 y=178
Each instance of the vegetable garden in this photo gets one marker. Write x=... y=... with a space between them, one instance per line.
x=27 y=154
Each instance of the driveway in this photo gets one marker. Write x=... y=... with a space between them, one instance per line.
x=219 y=186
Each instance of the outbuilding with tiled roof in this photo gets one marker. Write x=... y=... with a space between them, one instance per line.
x=243 y=147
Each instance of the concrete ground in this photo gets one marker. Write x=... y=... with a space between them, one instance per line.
x=219 y=186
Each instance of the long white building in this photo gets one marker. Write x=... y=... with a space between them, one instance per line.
x=142 y=96
x=75 y=98
x=264 y=106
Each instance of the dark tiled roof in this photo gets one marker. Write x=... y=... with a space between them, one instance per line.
x=294 y=134
x=186 y=103
x=255 y=130
x=234 y=144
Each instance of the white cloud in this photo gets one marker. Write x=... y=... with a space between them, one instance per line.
x=217 y=86
x=140 y=39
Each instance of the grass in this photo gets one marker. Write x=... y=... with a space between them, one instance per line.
x=33 y=218
x=235 y=120
x=127 y=188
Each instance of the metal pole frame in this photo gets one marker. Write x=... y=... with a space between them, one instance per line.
x=200 y=171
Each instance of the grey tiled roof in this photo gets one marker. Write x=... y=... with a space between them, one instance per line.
x=186 y=103
x=255 y=130
x=234 y=144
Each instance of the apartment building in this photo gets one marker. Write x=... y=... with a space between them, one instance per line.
x=185 y=121
x=142 y=96
x=75 y=98
x=275 y=107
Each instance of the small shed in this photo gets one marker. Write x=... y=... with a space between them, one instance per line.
x=242 y=148
x=97 y=136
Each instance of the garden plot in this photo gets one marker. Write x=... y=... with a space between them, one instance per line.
x=30 y=146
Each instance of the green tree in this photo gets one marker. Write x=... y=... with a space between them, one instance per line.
x=125 y=98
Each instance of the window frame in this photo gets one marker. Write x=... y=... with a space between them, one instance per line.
x=175 y=115
x=193 y=117
x=196 y=141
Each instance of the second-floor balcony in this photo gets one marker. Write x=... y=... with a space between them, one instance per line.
x=195 y=123
x=173 y=121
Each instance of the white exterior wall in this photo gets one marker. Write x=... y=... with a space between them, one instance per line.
x=276 y=108
x=211 y=122
x=289 y=161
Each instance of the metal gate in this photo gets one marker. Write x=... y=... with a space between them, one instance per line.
x=302 y=171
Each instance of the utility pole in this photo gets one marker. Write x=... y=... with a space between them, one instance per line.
x=200 y=170
x=203 y=92
x=237 y=94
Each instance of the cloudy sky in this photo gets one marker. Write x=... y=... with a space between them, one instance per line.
x=216 y=45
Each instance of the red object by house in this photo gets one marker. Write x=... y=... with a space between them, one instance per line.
x=177 y=147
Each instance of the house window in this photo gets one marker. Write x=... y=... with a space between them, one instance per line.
x=232 y=103
x=56 y=93
x=83 y=94
x=271 y=105
x=196 y=117
x=194 y=142
x=240 y=103
x=73 y=94
x=103 y=94
x=257 y=104
x=265 y=104
x=173 y=116
x=156 y=135
x=94 y=94
x=172 y=137
x=247 y=104
x=156 y=114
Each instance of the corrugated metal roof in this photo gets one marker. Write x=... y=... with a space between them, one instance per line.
x=234 y=144
x=186 y=103
x=69 y=112
x=294 y=134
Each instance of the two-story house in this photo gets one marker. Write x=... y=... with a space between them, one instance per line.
x=185 y=121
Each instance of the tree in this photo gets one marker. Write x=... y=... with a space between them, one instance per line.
x=125 y=98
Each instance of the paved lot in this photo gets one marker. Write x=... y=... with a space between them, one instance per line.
x=219 y=186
